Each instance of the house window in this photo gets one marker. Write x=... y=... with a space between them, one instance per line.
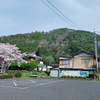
x=66 y=61
x=85 y=60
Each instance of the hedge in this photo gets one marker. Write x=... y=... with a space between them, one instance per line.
x=81 y=77
x=18 y=74
x=6 y=76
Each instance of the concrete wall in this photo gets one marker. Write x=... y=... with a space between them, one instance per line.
x=54 y=73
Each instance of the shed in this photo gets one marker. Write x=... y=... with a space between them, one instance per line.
x=54 y=72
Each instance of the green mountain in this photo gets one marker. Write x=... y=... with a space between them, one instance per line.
x=49 y=45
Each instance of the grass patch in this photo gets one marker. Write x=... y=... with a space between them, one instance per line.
x=24 y=74
x=42 y=74
x=27 y=74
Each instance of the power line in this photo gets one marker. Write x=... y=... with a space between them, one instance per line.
x=63 y=14
x=55 y=12
x=58 y=14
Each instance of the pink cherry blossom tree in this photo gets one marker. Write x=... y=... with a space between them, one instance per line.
x=10 y=53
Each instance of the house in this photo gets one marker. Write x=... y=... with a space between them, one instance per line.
x=82 y=60
x=32 y=57
x=81 y=64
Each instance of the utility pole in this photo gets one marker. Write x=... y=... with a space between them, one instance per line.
x=95 y=42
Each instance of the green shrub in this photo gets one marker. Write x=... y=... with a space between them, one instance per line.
x=84 y=77
x=66 y=76
x=24 y=66
x=5 y=76
x=73 y=76
x=77 y=76
x=14 y=66
x=35 y=72
x=29 y=66
x=47 y=72
x=18 y=74
x=96 y=75
x=81 y=77
x=70 y=76
x=63 y=76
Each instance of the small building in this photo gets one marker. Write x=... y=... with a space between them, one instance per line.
x=54 y=72
x=81 y=64
x=33 y=57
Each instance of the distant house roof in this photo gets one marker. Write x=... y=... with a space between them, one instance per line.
x=83 y=52
x=65 y=56
x=34 y=55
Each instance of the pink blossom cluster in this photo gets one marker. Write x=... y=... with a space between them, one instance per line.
x=10 y=53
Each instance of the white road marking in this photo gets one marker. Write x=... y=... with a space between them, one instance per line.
x=45 y=83
x=36 y=85
x=32 y=81
x=15 y=84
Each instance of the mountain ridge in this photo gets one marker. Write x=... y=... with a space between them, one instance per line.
x=49 y=45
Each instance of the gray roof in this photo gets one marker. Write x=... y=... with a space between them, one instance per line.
x=65 y=56
x=34 y=55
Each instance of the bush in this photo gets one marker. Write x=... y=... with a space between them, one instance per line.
x=29 y=66
x=66 y=76
x=24 y=66
x=77 y=77
x=70 y=76
x=18 y=74
x=47 y=72
x=96 y=75
x=5 y=76
x=84 y=77
x=73 y=76
x=42 y=74
x=81 y=77
x=14 y=66
x=63 y=76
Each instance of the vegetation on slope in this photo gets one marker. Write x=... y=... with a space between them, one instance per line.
x=49 y=45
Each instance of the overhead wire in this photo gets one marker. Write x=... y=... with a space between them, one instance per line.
x=59 y=15
x=63 y=14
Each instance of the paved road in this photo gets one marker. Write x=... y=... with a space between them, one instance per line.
x=49 y=89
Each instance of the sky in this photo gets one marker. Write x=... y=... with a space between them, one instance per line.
x=26 y=16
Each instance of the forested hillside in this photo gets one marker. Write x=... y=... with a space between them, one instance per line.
x=49 y=45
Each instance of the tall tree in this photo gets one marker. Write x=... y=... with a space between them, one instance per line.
x=10 y=53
